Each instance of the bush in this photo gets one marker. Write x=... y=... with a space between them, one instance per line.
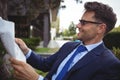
x=117 y=52
x=31 y=42
x=112 y=40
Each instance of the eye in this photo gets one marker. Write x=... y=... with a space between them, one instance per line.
x=82 y=22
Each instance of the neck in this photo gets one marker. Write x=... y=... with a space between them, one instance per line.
x=93 y=41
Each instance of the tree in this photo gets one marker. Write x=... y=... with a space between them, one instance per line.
x=66 y=32
x=72 y=29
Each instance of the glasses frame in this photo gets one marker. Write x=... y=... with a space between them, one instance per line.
x=84 y=22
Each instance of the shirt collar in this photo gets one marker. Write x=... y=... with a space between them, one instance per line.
x=92 y=46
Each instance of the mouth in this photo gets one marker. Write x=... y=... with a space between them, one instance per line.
x=80 y=32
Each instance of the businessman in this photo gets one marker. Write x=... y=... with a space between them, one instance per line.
x=89 y=59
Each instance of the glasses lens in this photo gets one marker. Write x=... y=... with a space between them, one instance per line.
x=82 y=22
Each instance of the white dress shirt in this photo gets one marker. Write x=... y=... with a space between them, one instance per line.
x=76 y=59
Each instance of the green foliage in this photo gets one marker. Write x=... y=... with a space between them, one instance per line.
x=116 y=52
x=41 y=73
x=46 y=50
x=32 y=42
x=2 y=50
x=70 y=31
x=65 y=32
x=112 y=40
x=117 y=29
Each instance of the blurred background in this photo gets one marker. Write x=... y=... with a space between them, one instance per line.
x=45 y=25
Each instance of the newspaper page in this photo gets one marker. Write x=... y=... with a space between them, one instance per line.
x=7 y=37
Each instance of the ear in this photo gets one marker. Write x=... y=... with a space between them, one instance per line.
x=102 y=28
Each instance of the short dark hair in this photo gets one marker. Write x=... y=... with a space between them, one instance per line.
x=103 y=13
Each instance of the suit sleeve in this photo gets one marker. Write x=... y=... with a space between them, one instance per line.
x=45 y=64
x=41 y=63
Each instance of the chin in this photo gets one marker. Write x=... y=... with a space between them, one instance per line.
x=79 y=36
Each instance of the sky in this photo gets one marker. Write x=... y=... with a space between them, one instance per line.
x=73 y=11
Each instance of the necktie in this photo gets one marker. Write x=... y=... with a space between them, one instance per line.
x=81 y=48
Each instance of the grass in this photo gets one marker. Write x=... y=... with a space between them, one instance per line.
x=46 y=50
x=41 y=73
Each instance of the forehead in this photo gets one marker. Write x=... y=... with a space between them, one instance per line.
x=89 y=15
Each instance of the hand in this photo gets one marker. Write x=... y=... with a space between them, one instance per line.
x=22 y=45
x=23 y=71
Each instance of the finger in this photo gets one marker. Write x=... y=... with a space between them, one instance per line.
x=19 y=75
x=15 y=74
x=18 y=78
x=18 y=41
x=15 y=61
x=17 y=65
x=16 y=68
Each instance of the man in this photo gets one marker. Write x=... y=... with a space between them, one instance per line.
x=96 y=62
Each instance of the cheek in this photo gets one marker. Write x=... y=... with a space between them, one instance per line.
x=92 y=31
x=88 y=33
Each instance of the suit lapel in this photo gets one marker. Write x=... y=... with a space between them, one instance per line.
x=88 y=58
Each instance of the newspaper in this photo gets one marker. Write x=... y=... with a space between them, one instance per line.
x=7 y=36
x=8 y=39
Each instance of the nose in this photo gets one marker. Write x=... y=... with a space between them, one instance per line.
x=78 y=25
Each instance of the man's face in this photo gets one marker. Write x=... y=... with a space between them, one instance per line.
x=89 y=29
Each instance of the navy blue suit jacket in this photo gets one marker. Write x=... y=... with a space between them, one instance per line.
x=98 y=64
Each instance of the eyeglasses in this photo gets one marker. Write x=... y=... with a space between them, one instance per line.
x=84 y=22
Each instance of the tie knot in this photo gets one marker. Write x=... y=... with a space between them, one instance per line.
x=81 y=48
